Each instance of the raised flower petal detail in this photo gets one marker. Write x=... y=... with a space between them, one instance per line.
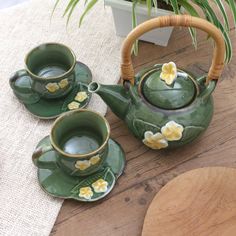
x=94 y=160
x=100 y=186
x=86 y=192
x=154 y=141
x=82 y=165
x=81 y=96
x=63 y=83
x=73 y=105
x=169 y=72
x=52 y=87
x=172 y=131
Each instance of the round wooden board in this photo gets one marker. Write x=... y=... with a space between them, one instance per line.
x=200 y=202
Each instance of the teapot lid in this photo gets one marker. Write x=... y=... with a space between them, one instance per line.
x=167 y=87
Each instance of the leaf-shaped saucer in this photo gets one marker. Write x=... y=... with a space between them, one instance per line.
x=91 y=188
x=52 y=108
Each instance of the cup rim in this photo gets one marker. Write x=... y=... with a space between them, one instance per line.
x=58 y=149
x=50 y=78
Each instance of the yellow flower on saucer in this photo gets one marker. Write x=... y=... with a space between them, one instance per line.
x=86 y=192
x=94 y=160
x=169 y=72
x=52 y=87
x=73 y=105
x=82 y=165
x=100 y=186
x=81 y=96
x=172 y=131
x=154 y=141
x=63 y=83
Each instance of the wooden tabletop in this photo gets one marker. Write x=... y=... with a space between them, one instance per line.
x=122 y=212
x=199 y=202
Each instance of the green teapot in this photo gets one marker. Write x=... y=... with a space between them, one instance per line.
x=164 y=106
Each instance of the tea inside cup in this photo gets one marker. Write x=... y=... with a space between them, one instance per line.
x=80 y=132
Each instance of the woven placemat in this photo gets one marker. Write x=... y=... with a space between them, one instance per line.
x=24 y=208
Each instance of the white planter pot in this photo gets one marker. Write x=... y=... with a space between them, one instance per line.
x=122 y=14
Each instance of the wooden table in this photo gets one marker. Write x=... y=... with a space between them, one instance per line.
x=122 y=212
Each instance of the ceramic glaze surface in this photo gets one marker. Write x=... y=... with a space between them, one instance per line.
x=163 y=106
x=51 y=71
x=21 y=83
x=80 y=142
x=96 y=186
x=157 y=127
x=178 y=94
x=51 y=68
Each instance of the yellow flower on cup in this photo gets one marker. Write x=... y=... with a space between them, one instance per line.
x=86 y=192
x=169 y=72
x=73 y=105
x=100 y=186
x=94 y=160
x=82 y=165
x=172 y=131
x=154 y=141
x=63 y=83
x=81 y=96
x=52 y=87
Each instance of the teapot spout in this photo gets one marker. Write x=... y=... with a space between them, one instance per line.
x=114 y=96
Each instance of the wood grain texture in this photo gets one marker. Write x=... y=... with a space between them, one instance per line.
x=122 y=212
x=198 y=202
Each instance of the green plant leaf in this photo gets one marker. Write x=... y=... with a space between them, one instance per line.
x=54 y=7
x=223 y=12
x=75 y=2
x=193 y=12
x=68 y=7
x=175 y=6
x=211 y=17
x=189 y=8
x=228 y=44
x=149 y=6
x=89 y=5
x=155 y=4
x=134 y=24
x=193 y=34
x=232 y=6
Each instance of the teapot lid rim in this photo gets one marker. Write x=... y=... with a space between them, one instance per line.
x=146 y=76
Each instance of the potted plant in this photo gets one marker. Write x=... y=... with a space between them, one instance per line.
x=137 y=11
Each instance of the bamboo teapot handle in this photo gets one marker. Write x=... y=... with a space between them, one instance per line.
x=127 y=70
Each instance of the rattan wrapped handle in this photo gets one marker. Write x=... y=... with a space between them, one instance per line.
x=127 y=70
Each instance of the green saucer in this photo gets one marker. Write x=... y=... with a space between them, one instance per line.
x=52 y=108
x=59 y=184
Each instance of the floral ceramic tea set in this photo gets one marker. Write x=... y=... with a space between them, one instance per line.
x=52 y=82
x=163 y=106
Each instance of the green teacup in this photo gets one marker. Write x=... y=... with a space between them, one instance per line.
x=51 y=69
x=80 y=140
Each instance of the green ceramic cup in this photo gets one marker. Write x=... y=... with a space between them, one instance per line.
x=80 y=139
x=51 y=69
